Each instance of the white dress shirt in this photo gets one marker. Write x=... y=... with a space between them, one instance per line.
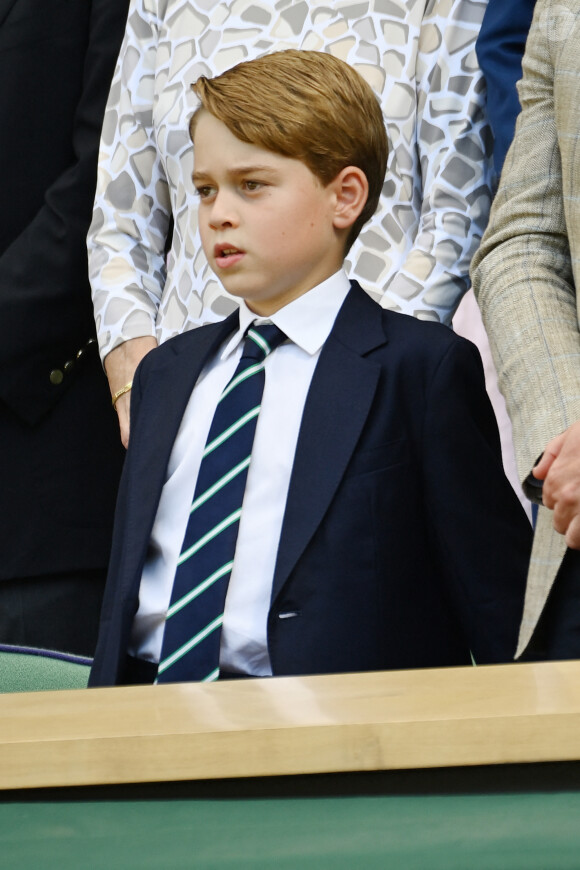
x=307 y=321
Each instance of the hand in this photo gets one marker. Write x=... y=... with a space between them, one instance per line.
x=120 y=367
x=559 y=468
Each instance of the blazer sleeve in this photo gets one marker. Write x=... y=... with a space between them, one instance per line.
x=455 y=153
x=523 y=274
x=481 y=535
x=45 y=311
x=500 y=48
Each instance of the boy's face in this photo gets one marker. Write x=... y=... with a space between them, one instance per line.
x=266 y=221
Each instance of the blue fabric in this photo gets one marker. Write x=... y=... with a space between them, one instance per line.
x=193 y=629
x=500 y=47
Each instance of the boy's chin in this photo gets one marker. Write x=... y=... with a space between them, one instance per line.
x=236 y=291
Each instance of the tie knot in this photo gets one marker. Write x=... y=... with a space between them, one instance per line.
x=262 y=340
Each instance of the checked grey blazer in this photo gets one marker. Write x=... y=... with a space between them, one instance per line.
x=527 y=269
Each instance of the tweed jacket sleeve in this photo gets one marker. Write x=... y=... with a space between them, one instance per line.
x=524 y=273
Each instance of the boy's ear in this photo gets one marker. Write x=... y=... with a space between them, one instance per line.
x=351 y=189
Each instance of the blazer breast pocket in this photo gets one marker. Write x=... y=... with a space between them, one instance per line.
x=380 y=458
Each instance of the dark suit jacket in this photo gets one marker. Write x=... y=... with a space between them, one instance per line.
x=403 y=545
x=500 y=48
x=60 y=452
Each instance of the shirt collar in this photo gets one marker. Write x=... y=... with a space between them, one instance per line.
x=306 y=321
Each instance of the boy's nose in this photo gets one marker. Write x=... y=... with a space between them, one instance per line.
x=222 y=213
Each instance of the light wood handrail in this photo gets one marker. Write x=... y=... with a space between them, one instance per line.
x=344 y=722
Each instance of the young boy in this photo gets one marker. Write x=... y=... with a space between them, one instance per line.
x=377 y=529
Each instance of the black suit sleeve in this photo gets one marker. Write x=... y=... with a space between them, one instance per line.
x=481 y=533
x=45 y=304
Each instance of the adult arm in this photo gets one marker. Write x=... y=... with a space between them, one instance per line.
x=455 y=145
x=523 y=274
x=45 y=312
x=127 y=237
x=500 y=48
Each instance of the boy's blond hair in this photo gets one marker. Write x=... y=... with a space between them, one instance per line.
x=306 y=105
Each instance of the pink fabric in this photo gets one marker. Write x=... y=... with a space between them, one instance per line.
x=468 y=323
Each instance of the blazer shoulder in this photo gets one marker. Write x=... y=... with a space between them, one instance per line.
x=421 y=337
x=385 y=335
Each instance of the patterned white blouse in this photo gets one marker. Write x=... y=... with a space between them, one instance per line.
x=419 y=57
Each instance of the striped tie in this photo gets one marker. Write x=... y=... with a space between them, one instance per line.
x=191 y=641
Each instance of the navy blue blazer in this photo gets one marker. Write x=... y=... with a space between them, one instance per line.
x=403 y=545
x=500 y=47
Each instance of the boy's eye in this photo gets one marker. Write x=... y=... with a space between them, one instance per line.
x=204 y=191
x=252 y=185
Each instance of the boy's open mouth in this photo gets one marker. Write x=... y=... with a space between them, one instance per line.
x=227 y=255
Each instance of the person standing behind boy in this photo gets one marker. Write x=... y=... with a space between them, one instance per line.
x=60 y=461
x=526 y=276
x=375 y=491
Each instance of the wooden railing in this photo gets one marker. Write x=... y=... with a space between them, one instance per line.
x=266 y=727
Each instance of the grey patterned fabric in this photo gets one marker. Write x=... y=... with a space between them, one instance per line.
x=528 y=268
x=419 y=57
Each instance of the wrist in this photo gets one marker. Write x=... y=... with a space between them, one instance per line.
x=120 y=363
x=116 y=396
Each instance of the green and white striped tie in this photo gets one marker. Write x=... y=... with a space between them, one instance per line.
x=191 y=641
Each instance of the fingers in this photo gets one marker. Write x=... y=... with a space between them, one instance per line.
x=122 y=407
x=561 y=490
x=551 y=452
x=560 y=470
x=573 y=534
x=566 y=506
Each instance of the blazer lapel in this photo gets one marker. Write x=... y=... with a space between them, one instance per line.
x=337 y=406
x=171 y=380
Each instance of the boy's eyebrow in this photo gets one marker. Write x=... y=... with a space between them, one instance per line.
x=200 y=175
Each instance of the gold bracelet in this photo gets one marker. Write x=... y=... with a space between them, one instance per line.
x=121 y=392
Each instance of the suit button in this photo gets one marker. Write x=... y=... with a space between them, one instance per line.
x=56 y=377
x=69 y=364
